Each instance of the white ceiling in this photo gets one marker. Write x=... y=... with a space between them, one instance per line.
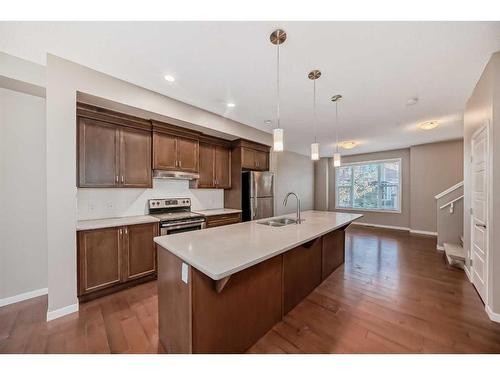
x=376 y=66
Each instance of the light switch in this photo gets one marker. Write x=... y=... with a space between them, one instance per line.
x=184 y=272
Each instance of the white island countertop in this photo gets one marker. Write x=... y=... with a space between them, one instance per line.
x=222 y=251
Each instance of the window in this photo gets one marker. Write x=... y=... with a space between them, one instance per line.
x=373 y=185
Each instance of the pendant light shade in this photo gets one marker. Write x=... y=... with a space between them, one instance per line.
x=278 y=140
x=277 y=38
x=314 y=151
x=336 y=159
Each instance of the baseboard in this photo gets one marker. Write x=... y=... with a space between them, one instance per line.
x=439 y=247
x=467 y=272
x=51 y=315
x=380 y=226
x=492 y=315
x=23 y=297
x=423 y=232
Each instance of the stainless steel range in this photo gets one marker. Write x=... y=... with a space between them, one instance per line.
x=175 y=215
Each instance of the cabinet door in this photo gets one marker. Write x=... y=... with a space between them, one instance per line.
x=301 y=272
x=261 y=160
x=333 y=252
x=164 y=151
x=139 y=250
x=135 y=158
x=247 y=158
x=97 y=153
x=99 y=259
x=187 y=154
x=223 y=167
x=207 y=166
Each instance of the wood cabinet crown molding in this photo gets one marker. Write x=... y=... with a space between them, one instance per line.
x=165 y=128
x=251 y=145
x=103 y=114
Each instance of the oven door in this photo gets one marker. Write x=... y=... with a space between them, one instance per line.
x=172 y=228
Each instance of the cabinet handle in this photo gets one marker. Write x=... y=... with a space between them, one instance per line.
x=116 y=178
x=180 y=164
x=120 y=231
x=126 y=231
x=122 y=179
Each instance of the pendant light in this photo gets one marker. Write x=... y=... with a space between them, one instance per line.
x=336 y=155
x=277 y=38
x=314 y=75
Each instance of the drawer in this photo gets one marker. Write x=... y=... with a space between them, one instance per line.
x=224 y=219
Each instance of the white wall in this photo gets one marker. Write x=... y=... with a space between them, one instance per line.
x=64 y=80
x=294 y=172
x=103 y=203
x=23 y=238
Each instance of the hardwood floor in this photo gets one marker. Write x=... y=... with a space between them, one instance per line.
x=395 y=294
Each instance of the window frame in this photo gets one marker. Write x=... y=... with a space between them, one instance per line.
x=378 y=210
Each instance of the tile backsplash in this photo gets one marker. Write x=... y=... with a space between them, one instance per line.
x=103 y=203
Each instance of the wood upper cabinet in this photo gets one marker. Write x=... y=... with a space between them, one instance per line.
x=187 y=154
x=111 y=256
x=215 y=166
x=164 y=151
x=207 y=166
x=135 y=158
x=175 y=148
x=222 y=167
x=139 y=251
x=114 y=150
x=99 y=259
x=98 y=152
x=254 y=159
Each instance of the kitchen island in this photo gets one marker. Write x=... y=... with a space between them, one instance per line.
x=221 y=289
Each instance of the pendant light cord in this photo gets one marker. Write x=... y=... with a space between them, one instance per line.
x=278 y=85
x=314 y=109
x=337 y=124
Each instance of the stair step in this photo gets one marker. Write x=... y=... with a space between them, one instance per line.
x=454 y=251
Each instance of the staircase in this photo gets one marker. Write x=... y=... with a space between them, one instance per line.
x=450 y=214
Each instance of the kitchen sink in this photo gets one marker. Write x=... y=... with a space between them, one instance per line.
x=278 y=222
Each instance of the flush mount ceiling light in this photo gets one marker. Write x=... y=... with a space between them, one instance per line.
x=429 y=125
x=336 y=155
x=267 y=122
x=169 y=78
x=277 y=38
x=348 y=145
x=230 y=105
x=313 y=76
x=412 y=101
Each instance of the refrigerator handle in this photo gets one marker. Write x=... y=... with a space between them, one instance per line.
x=254 y=198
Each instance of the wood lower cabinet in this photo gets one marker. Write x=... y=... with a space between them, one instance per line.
x=114 y=150
x=225 y=219
x=333 y=252
x=99 y=259
x=215 y=166
x=301 y=272
x=110 y=257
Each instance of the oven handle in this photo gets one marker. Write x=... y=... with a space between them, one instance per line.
x=183 y=225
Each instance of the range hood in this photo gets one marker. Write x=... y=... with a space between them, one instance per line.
x=175 y=175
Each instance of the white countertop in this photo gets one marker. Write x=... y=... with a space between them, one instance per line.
x=114 y=222
x=222 y=251
x=218 y=211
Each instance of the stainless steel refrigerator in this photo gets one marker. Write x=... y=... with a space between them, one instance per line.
x=257 y=191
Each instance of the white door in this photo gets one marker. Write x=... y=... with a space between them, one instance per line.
x=479 y=213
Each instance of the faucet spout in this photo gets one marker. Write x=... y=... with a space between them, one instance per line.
x=285 y=201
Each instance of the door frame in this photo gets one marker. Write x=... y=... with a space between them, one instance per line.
x=487 y=128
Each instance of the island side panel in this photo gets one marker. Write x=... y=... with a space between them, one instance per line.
x=301 y=272
x=174 y=304
x=247 y=307
x=333 y=251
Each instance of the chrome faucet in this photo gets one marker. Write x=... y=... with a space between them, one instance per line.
x=298 y=219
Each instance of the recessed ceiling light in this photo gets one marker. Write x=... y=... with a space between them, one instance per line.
x=169 y=78
x=267 y=122
x=429 y=125
x=412 y=101
x=231 y=105
x=348 y=145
